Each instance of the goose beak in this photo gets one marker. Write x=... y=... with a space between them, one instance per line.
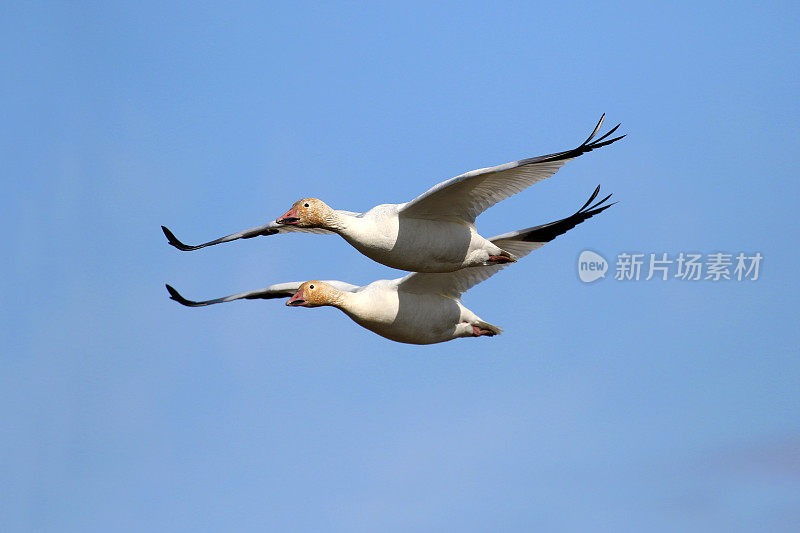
x=297 y=300
x=289 y=218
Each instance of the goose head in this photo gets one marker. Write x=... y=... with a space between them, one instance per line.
x=314 y=294
x=307 y=213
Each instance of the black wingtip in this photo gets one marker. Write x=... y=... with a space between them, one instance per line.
x=175 y=295
x=590 y=200
x=588 y=209
x=595 y=130
x=598 y=207
x=615 y=139
x=175 y=242
x=607 y=134
x=597 y=210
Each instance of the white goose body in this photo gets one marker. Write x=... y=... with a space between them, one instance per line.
x=384 y=235
x=420 y=308
x=435 y=232
x=384 y=308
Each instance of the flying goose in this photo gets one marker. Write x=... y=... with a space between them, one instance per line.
x=435 y=232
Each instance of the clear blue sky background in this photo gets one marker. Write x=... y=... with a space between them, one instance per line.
x=644 y=406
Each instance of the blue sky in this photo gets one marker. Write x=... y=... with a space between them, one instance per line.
x=613 y=406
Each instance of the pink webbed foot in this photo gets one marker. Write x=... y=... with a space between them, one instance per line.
x=501 y=259
x=477 y=331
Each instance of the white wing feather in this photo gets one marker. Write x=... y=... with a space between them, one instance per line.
x=465 y=197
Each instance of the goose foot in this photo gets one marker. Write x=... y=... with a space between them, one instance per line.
x=500 y=260
x=477 y=331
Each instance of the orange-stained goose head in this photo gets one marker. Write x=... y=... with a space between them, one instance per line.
x=307 y=213
x=314 y=294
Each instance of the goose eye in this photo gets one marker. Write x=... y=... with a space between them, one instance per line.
x=305 y=205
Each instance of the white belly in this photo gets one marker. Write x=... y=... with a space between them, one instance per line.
x=411 y=318
x=418 y=245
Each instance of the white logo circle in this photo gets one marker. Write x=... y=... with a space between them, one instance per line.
x=591 y=266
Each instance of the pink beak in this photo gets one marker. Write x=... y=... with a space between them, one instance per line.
x=289 y=218
x=297 y=300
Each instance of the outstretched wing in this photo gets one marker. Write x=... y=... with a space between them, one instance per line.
x=519 y=243
x=522 y=242
x=466 y=196
x=269 y=229
x=280 y=290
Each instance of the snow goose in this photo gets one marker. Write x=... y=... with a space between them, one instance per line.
x=420 y=308
x=435 y=232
